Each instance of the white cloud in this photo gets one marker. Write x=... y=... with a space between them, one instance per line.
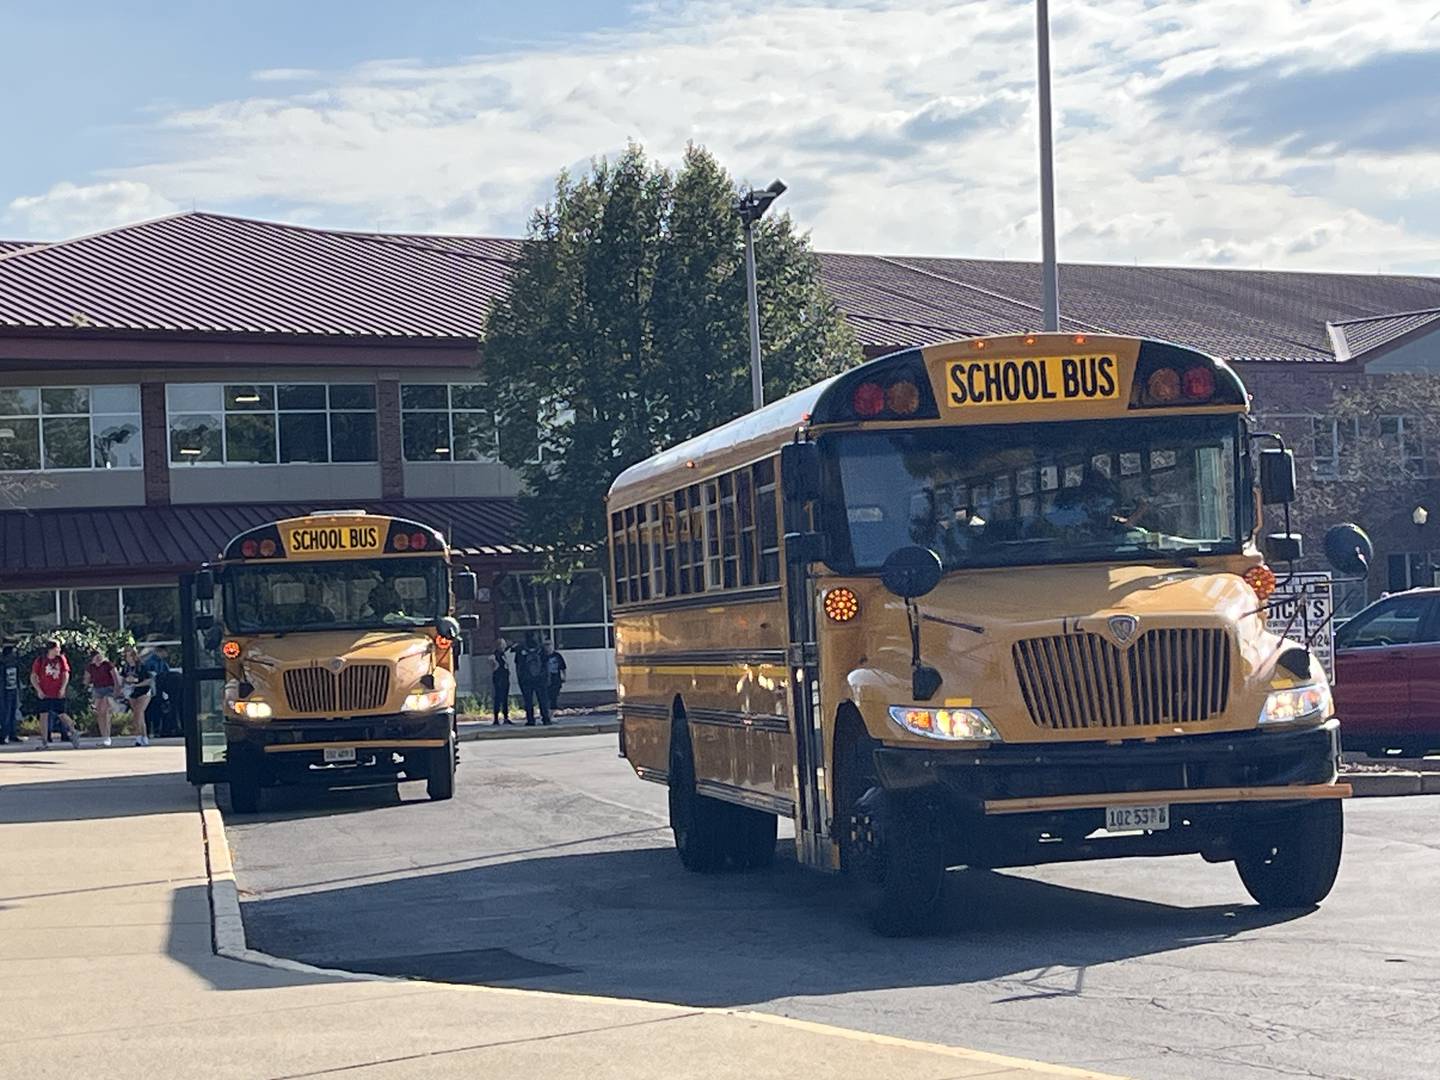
x=73 y=209
x=900 y=125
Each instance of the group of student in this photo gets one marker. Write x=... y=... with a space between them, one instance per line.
x=130 y=684
x=539 y=671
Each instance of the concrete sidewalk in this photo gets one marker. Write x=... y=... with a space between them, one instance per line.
x=107 y=969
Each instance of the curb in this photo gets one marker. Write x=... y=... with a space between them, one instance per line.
x=520 y=731
x=228 y=940
x=1384 y=784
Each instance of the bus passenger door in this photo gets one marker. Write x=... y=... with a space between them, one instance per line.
x=202 y=693
x=799 y=483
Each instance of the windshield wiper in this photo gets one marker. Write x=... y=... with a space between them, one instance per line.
x=1175 y=555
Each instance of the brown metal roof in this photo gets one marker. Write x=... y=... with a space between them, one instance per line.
x=7 y=246
x=201 y=273
x=38 y=546
x=208 y=273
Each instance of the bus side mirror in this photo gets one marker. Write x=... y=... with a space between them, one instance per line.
x=466 y=585
x=909 y=572
x=1349 y=549
x=800 y=472
x=1284 y=547
x=1277 y=476
x=205 y=585
x=470 y=623
x=448 y=627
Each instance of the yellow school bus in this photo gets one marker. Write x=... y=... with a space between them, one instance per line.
x=991 y=603
x=335 y=642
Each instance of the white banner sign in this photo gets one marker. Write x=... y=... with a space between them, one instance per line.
x=1302 y=609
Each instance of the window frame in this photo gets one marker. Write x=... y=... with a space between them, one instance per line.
x=449 y=411
x=1406 y=428
x=275 y=412
x=91 y=416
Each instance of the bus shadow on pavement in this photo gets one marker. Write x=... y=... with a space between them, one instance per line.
x=630 y=923
x=295 y=802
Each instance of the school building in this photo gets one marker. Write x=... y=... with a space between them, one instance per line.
x=167 y=384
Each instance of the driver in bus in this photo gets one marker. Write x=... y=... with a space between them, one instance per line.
x=385 y=600
x=1096 y=506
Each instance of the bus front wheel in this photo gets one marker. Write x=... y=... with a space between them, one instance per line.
x=1291 y=861
x=242 y=771
x=440 y=775
x=909 y=863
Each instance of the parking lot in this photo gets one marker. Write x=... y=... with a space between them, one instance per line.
x=552 y=868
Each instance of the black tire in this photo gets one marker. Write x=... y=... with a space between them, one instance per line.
x=703 y=827
x=752 y=839
x=440 y=776
x=1291 y=861
x=243 y=773
x=908 y=898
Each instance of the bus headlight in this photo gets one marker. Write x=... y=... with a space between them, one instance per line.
x=956 y=725
x=425 y=700
x=1310 y=702
x=252 y=710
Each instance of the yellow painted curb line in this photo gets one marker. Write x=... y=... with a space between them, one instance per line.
x=229 y=941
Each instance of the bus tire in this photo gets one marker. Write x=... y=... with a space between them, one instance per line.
x=754 y=834
x=440 y=774
x=243 y=773
x=703 y=827
x=910 y=858
x=1291 y=862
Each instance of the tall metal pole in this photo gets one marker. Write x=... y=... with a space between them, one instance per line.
x=1050 y=278
x=757 y=388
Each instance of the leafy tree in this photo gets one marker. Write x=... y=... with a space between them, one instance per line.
x=625 y=332
x=77 y=641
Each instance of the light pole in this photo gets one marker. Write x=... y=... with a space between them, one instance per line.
x=751 y=207
x=1050 y=279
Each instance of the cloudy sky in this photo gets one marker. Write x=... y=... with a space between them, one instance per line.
x=1277 y=133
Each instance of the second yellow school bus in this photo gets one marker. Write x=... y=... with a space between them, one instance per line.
x=992 y=603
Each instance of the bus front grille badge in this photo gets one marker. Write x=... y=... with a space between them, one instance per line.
x=1122 y=628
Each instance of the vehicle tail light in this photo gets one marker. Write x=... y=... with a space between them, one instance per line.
x=418 y=541
x=1199 y=384
x=267 y=548
x=250 y=549
x=903 y=398
x=400 y=541
x=868 y=400
x=1164 y=385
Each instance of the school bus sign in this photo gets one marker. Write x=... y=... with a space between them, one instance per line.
x=1031 y=380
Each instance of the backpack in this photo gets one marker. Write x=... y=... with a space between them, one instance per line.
x=534 y=664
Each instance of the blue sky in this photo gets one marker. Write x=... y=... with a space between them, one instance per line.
x=1290 y=133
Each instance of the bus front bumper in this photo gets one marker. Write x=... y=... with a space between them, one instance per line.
x=295 y=750
x=1013 y=805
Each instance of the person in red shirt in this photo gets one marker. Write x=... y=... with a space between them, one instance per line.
x=50 y=676
x=103 y=678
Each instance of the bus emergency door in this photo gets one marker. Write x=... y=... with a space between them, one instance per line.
x=202 y=693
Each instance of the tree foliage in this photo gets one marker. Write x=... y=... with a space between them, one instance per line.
x=625 y=331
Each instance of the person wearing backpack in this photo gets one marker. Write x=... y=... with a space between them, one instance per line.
x=530 y=670
x=554 y=674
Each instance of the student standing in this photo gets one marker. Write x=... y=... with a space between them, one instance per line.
x=50 y=677
x=530 y=670
x=103 y=679
x=500 y=681
x=9 y=694
x=554 y=674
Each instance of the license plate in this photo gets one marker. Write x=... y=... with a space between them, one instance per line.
x=335 y=754
x=1130 y=818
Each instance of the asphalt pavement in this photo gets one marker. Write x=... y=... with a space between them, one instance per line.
x=552 y=869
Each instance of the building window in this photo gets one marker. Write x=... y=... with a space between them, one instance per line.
x=1401 y=436
x=271 y=423
x=1411 y=570
x=1333 y=440
x=64 y=428
x=150 y=612
x=573 y=614
x=448 y=422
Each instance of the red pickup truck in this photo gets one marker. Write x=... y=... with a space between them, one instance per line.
x=1387 y=675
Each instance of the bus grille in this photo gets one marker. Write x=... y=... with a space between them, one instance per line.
x=356 y=688
x=1077 y=681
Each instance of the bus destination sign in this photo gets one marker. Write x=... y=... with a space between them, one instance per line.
x=1031 y=380
x=352 y=538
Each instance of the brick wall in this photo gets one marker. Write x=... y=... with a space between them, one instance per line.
x=156 y=437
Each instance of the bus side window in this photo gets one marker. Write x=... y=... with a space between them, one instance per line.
x=619 y=554
x=767 y=519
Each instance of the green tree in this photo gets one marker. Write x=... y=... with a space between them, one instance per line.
x=625 y=332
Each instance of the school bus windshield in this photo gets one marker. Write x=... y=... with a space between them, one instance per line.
x=1025 y=494
x=359 y=594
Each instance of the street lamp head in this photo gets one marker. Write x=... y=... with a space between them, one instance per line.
x=751 y=205
x=1420 y=515
x=776 y=188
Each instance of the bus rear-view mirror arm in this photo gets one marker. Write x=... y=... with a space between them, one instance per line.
x=911 y=572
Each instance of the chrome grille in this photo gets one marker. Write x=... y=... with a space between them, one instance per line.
x=358 y=687
x=1171 y=676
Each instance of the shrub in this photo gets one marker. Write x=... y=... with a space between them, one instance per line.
x=77 y=641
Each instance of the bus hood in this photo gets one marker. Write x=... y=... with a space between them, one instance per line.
x=349 y=645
